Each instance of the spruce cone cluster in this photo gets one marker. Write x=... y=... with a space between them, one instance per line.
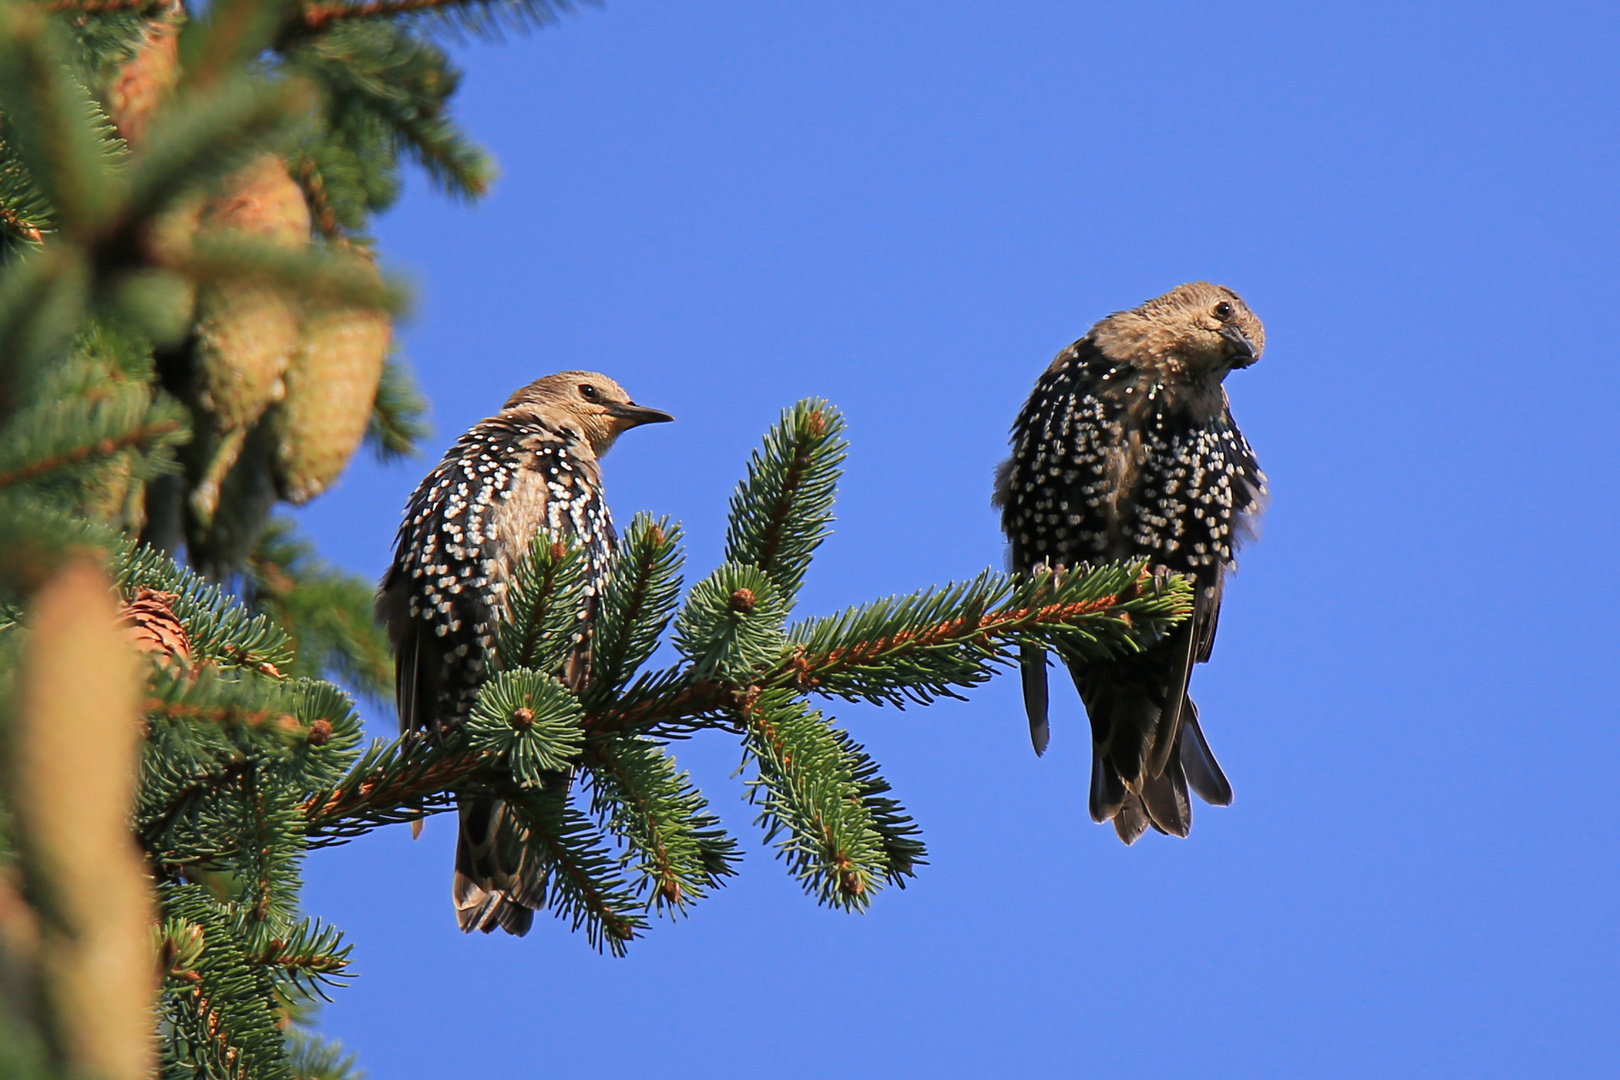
x=280 y=390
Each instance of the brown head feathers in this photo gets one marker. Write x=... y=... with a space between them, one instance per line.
x=1194 y=332
x=593 y=405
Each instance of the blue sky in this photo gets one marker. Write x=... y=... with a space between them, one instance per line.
x=908 y=208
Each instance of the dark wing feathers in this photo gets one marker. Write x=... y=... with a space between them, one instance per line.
x=1032 y=669
x=1179 y=650
x=1189 y=645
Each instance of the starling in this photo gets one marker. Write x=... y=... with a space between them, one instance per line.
x=531 y=468
x=1126 y=449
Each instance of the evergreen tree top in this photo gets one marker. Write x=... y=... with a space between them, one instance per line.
x=145 y=434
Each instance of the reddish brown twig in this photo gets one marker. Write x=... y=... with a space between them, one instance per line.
x=319 y=16
x=137 y=437
x=98 y=7
x=380 y=792
x=705 y=702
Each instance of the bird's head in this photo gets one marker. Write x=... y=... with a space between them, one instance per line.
x=1193 y=332
x=594 y=405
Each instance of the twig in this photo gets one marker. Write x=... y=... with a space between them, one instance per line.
x=686 y=704
x=319 y=16
x=103 y=448
x=97 y=7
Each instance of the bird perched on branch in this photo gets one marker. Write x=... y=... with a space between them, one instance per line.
x=530 y=468
x=1126 y=449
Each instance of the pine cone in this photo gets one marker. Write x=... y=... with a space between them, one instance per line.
x=151 y=624
x=146 y=78
x=331 y=387
x=246 y=331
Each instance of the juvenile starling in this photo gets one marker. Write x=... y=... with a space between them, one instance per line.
x=1126 y=449
x=530 y=468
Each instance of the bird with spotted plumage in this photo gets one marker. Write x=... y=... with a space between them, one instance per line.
x=1126 y=449
x=532 y=468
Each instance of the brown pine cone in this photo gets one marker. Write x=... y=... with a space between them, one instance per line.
x=331 y=387
x=150 y=623
x=146 y=78
x=247 y=331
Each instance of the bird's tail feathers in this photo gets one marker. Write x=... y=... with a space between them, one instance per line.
x=1160 y=801
x=1131 y=819
x=1165 y=797
x=1203 y=772
x=1124 y=788
x=1032 y=667
x=490 y=888
x=482 y=909
x=1108 y=792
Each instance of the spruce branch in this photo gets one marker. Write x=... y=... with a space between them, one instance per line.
x=327 y=741
x=307 y=954
x=939 y=641
x=265 y=860
x=822 y=799
x=679 y=849
x=387 y=89
x=898 y=834
x=642 y=590
x=479 y=16
x=930 y=645
x=53 y=124
x=42 y=304
x=314 y=1058
x=25 y=213
x=577 y=875
x=226 y=40
x=781 y=512
x=529 y=723
x=67 y=436
x=731 y=624
x=216 y=1011
x=399 y=781
x=22 y=221
x=228 y=702
x=325 y=612
x=207 y=734
x=223 y=631
x=397 y=426
x=809 y=797
x=542 y=619
x=101 y=7
x=331 y=277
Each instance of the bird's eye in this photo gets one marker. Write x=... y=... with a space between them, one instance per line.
x=1223 y=310
x=587 y=391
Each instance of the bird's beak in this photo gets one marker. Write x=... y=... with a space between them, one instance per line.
x=1243 y=353
x=632 y=415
